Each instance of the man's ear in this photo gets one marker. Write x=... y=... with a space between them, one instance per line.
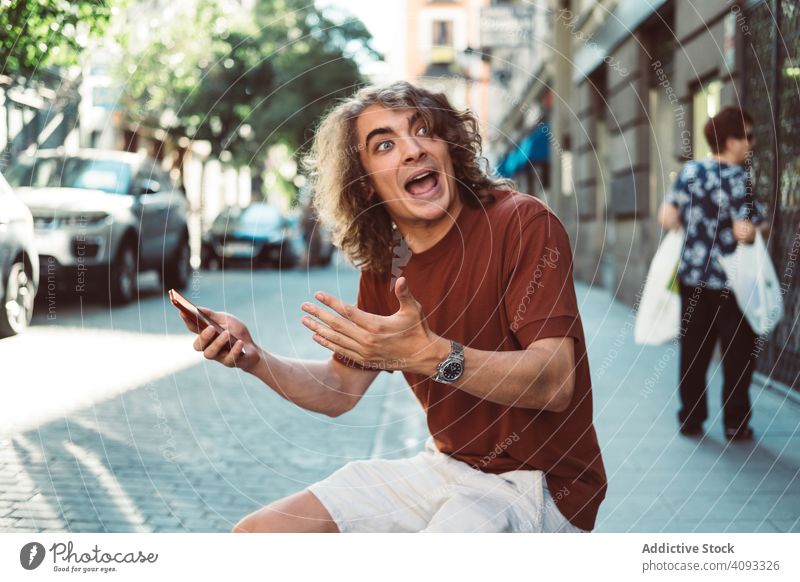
x=728 y=145
x=366 y=186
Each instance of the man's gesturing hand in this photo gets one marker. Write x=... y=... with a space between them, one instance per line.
x=401 y=341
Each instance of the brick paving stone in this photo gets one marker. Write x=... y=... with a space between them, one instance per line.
x=83 y=522
x=6 y=507
x=8 y=523
x=38 y=513
x=16 y=495
x=86 y=527
x=14 y=523
x=51 y=524
x=786 y=525
x=156 y=521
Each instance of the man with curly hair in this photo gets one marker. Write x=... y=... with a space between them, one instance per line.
x=479 y=314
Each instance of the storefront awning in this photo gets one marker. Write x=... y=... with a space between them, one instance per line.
x=534 y=149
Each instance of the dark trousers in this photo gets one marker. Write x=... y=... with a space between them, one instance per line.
x=708 y=315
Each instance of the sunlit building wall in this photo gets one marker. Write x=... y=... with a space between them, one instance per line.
x=442 y=42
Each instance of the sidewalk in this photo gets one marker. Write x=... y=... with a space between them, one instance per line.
x=660 y=481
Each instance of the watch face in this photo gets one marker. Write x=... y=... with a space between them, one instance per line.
x=452 y=371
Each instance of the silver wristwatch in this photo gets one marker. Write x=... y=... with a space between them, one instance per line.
x=450 y=369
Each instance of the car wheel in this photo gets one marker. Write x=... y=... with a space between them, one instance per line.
x=15 y=317
x=123 y=276
x=209 y=260
x=287 y=259
x=177 y=272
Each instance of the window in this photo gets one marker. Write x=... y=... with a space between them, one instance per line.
x=151 y=170
x=667 y=123
x=442 y=50
x=705 y=105
x=110 y=176
x=260 y=217
x=442 y=33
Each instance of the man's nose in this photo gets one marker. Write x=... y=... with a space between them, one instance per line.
x=412 y=149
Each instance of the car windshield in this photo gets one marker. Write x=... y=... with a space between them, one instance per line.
x=225 y=220
x=109 y=176
x=260 y=216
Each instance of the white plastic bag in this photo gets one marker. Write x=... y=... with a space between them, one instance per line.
x=658 y=319
x=752 y=278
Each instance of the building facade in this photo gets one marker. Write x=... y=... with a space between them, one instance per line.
x=441 y=40
x=625 y=87
x=518 y=42
x=772 y=95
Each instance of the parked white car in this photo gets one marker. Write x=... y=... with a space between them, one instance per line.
x=19 y=263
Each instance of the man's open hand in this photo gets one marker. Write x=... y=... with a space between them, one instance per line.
x=401 y=341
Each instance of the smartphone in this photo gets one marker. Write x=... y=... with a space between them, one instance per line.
x=190 y=310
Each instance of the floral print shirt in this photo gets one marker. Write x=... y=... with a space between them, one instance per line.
x=710 y=195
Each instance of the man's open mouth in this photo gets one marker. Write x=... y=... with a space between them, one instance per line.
x=422 y=182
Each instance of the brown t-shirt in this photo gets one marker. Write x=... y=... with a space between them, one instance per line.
x=500 y=279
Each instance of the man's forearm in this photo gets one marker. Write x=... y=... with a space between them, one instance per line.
x=669 y=216
x=310 y=384
x=532 y=378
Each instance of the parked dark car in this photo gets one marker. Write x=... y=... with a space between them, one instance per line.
x=258 y=235
x=101 y=217
x=317 y=245
x=19 y=263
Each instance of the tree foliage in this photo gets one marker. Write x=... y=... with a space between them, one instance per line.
x=245 y=85
x=35 y=34
x=163 y=55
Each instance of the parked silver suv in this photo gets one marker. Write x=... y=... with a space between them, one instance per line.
x=100 y=217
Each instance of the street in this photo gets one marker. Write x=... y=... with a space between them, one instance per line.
x=111 y=422
x=115 y=423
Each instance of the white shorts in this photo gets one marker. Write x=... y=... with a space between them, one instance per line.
x=433 y=492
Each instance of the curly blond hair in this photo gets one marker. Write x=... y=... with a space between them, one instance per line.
x=360 y=227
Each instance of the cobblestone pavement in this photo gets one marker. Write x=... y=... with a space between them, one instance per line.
x=189 y=444
x=117 y=425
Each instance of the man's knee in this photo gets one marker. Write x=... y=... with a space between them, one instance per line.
x=256 y=522
x=301 y=512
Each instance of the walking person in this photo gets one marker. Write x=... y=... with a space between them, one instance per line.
x=482 y=321
x=713 y=202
